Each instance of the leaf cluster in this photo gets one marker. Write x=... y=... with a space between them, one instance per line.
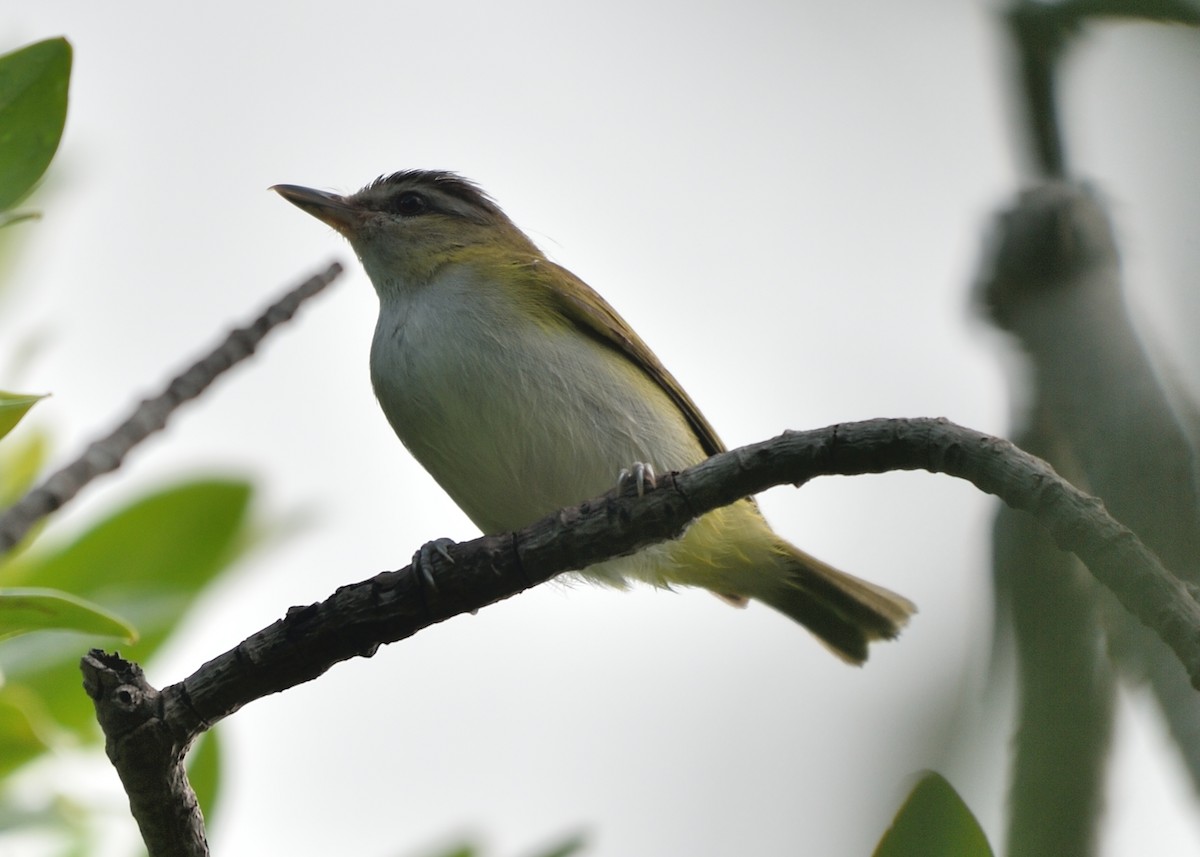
x=130 y=575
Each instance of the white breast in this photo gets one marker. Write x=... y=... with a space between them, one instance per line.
x=512 y=418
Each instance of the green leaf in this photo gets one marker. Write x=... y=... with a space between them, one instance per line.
x=33 y=111
x=173 y=539
x=204 y=773
x=147 y=562
x=33 y=609
x=13 y=406
x=934 y=822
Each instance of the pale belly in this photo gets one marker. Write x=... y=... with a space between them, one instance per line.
x=514 y=420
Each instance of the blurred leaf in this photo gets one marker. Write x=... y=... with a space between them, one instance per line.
x=204 y=773
x=568 y=846
x=147 y=562
x=13 y=406
x=33 y=111
x=172 y=539
x=21 y=460
x=42 y=818
x=18 y=217
x=25 y=727
x=28 y=609
x=934 y=822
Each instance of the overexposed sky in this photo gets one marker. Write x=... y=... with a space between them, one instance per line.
x=786 y=199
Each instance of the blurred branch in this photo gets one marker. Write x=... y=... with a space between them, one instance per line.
x=1055 y=283
x=1041 y=33
x=358 y=618
x=1100 y=414
x=1066 y=684
x=108 y=453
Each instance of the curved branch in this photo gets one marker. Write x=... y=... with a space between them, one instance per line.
x=151 y=415
x=360 y=617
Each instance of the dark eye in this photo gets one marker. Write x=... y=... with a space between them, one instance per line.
x=410 y=204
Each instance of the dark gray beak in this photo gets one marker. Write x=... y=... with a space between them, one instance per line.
x=329 y=208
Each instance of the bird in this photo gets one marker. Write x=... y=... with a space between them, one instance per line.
x=522 y=391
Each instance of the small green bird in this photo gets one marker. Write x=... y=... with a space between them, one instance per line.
x=522 y=391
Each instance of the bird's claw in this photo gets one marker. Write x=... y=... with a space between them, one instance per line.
x=641 y=474
x=423 y=559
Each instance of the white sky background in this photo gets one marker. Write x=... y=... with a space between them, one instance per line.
x=785 y=199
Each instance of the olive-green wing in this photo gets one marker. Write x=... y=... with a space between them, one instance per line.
x=581 y=305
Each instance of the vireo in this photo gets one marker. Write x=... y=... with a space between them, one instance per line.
x=522 y=391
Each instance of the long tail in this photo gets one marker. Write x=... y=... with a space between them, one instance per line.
x=843 y=611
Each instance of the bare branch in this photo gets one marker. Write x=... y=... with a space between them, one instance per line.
x=148 y=757
x=108 y=453
x=391 y=606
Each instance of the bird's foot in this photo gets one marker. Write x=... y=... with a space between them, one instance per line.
x=423 y=560
x=640 y=475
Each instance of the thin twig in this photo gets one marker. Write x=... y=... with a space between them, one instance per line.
x=107 y=453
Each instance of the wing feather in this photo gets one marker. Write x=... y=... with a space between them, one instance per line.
x=583 y=307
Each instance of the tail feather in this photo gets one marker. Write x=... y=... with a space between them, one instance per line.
x=843 y=611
